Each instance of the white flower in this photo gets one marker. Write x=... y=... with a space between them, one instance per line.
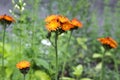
x=46 y=42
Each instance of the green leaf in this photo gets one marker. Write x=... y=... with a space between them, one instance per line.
x=81 y=41
x=78 y=70
x=66 y=78
x=7 y=49
x=42 y=62
x=9 y=72
x=108 y=54
x=41 y=75
x=97 y=55
x=98 y=66
x=102 y=49
x=85 y=79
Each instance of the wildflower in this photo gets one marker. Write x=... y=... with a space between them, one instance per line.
x=50 y=18
x=62 y=19
x=76 y=23
x=108 y=42
x=53 y=25
x=5 y=19
x=23 y=66
x=67 y=26
x=46 y=42
x=61 y=23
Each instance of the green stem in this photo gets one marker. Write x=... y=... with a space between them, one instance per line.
x=116 y=67
x=20 y=33
x=77 y=78
x=56 y=54
x=51 y=42
x=23 y=76
x=3 y=70
x=64 y=64
x=69 y=38
x=103 y=66
x=63 y=68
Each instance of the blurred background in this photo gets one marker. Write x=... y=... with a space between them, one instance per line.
x=93 y=9
x=81 y=60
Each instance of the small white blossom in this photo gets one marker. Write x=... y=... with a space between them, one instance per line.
x=46 y=42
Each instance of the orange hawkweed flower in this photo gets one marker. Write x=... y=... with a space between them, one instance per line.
x=108 y=42
x=5 y=19
x=66 y=26
x=23 y=66
x=61 y=23
x=53 y=25
x=51 y=17
x=76 y=23
x=62 y=19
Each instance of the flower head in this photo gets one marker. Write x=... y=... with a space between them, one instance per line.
x=51 y=17
x=62 y=19
x=5 y=19
x=61 y=23
x=23 y=66
x=66 y=26
x=76 y=23
x=53 y=25
x=108 y=42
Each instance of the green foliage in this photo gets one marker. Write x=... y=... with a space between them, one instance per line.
x=42 y=75
x=66 y=78
x=85 y=79
x=78 y=70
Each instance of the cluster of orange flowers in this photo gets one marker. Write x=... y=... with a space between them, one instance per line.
x=59 y=22
x=6 y=19
x=23 y=66
x=108 y=42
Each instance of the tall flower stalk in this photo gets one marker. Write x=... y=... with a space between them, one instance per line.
x=5 y=21
x=55 y=45
x=59 y=24
x=3 y=49
x=108 y=43
x=23 y=76
x=64 y=64
x=103 y=66
x=56 y=53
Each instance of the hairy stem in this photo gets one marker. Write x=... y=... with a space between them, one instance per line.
x=103 y=66
x=56 y=54
x=23 y=76
x=64 y=64
x=69 y=38
x=3 y=49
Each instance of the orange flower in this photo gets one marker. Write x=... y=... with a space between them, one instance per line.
x=53 y=25
x=51 y=17
x=61 y=23
x=23 y=65
x=109 y=42
x=66 y=26
x=76 y=23
x=62 y=19
x=5 y=19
